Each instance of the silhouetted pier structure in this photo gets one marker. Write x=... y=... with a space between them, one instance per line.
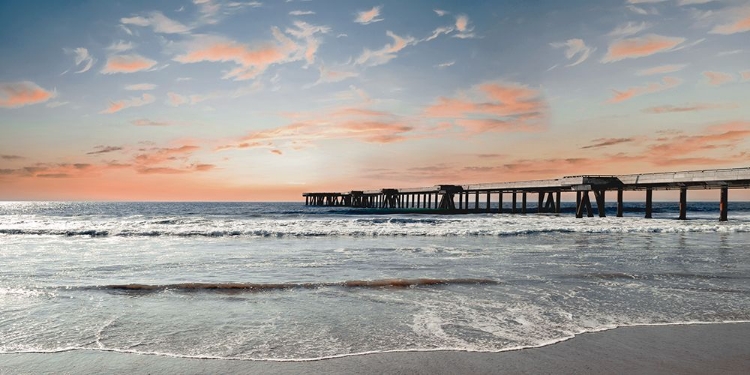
x=458 y=198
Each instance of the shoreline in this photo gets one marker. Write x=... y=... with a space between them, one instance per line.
x=688 y=348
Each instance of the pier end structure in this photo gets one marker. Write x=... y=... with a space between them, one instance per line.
x=456 y=198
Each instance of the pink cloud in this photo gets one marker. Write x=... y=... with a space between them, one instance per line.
x=640 y=47
x=745 y=75
x=661 y=69
x=127 y=64
x=718 y=78
x=495 y=106
x=119 y=105
x=368 y=16
x=19 y=94
x=252 y=60
x=737 y=26
x=387 y=53
x=665 y=84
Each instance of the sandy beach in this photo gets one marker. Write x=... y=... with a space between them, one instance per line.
x=672 y=349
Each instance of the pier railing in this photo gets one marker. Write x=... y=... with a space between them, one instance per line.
x=458 y=198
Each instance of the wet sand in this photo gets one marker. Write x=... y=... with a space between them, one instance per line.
x=674 y=349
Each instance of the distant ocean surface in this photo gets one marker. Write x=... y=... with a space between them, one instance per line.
x=281 y=281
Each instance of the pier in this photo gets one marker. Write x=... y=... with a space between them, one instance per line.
x=476 y=198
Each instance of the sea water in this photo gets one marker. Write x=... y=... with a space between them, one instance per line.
x=281 y=281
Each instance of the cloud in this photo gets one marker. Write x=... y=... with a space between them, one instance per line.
x=64 y=170
x=445 y=64
x=119 y=105
x=575 y=47
x=160 y=155
x=19 y=94
x=640 y=47
x=147 y=122
x=688 y=108
x=120 y=46
x=176 y=100
x=82 y=57
x=329 y=76
x=718 y=78
x=604 y=142
x=718 y=137
x=11 y=157
x=493 y=106
x=692 y=2
x=440 y=12
x=140 y=87
x=642 y=11
x=368 y=16
x=665 y=84
x=212 y=12
x=385 y=54
x=628 y=29
x=254 y=60
x=437 y=32
x=301 y=13
x=127 y=64
x=56 y=104
x=661 y=69
x=745 y=75
x=733 y=20
x=104 y=150
x=462 y=25
x=158 y=22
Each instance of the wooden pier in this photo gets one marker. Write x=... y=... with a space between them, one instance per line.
x=478 y=197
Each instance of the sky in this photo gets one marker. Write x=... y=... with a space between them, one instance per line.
x=210 y=100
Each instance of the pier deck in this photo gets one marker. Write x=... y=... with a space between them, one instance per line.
x=458 y=198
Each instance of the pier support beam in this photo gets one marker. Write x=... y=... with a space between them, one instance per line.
x=540 y=204
x=619 y=202
x=489 y=195
x=558 y=196
x=466 y=203
x=599 y=196
x=476 y=200
x=523 y=202
x=500 y=202
x=724 y=203
x=584 y=202
x=513 y=209
x=649 y=202
x=683 y=203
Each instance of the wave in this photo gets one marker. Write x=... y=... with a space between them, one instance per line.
x=264 y=287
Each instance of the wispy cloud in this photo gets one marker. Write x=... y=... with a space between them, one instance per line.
x=369 y=16
x=661 y=69
x=253 y=61
x=745 y=74
x=718 y=78
x=732 y=20
x=140 y=87
x=213 y=11
x=104 y=150
x=387 y=53
x=684 y=108
x=463 y=27
x=628 y=29
x=11 y=157
x=445 y=64
x=119 y=105
x=439 y=31
x=158 y=22
x=493 y=107
x=643 y=11
x=19 y=94
x=82 y=57
x=329 y=76
x=127 y=64
x=147 y=122
x=692 y=2
x=605 y=142
x=627 y=94
x=301 y=13
x=56 y=104
x=575 y=47
x=640 y=47
x=120 y=46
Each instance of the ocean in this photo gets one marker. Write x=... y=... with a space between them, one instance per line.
x=286 y=282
